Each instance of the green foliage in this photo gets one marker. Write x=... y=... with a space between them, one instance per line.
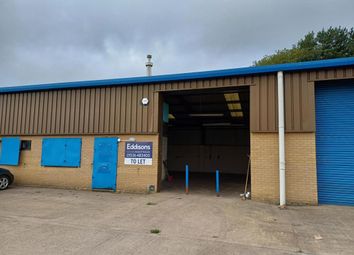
x=155 y=231
x=335 y=42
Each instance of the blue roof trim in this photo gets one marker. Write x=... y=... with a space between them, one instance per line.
x=186 y=76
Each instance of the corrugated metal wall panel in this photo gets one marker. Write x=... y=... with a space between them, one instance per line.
x=335 y=142
x=263 y=102
x=2 y=106
x=155 y=123
x=299 y=103
x=150 y=109
x=107 y=110
x=7 y=112
x=89 y=109
x=263 y=96
x=254 y=108
x=52 y=98
x=274 y=106
x=296 y=105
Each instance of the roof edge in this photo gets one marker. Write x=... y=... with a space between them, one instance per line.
x=337 y=62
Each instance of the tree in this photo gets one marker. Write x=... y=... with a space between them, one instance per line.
x=335 y=42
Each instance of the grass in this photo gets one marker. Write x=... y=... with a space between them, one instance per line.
x=155 y=231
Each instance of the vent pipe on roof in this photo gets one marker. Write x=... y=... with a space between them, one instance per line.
x=148 y=65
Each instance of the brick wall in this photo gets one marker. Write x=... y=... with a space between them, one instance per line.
x=133 y=178
x=301 y=178
x=129 y=177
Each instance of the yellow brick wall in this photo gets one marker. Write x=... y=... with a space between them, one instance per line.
x=301 y=178
x=133 y=178
x=130 y=178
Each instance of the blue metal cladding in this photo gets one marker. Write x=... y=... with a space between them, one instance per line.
x=105 y=161
x=337 y=62
x=335 y=143
x=10 y=151
x=61 y=152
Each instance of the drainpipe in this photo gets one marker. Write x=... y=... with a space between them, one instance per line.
x=281 y=127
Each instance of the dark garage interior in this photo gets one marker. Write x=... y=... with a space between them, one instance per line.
x=207 y=129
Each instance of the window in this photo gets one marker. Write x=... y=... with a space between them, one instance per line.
x=166 y=111
x=10 y=151
x=26 y=145
x=61 y=152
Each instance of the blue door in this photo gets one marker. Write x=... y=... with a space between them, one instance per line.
x=105 y=163
x=335 y=142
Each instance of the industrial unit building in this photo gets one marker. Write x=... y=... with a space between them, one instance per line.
x=126 y=134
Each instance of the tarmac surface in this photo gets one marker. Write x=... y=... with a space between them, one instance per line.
x=55 y=221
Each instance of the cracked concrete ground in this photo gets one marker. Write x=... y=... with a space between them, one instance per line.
x=54 y=221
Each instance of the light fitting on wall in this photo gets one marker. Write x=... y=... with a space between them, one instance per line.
x=145 y=101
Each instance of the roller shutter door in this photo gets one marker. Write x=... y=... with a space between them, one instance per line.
x=335 y=142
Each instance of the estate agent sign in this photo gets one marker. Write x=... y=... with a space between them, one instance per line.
x=138 y=153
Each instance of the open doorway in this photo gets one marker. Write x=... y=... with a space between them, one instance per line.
x=208 y=129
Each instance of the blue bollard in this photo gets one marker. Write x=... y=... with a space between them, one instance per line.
x=187 y=179
x=217 y=183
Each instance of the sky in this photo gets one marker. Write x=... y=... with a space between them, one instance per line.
x=45 y=41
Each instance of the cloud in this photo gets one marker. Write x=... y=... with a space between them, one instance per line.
x=50 y=41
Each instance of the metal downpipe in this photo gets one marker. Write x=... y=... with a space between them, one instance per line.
x=281 y=127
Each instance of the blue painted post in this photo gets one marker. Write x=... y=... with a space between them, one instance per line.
x=217 y=183
x=187 y=179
